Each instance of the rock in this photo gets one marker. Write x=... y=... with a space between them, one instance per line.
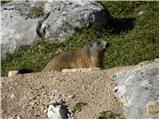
x=25 y=101
x=56 y=97
x=19 y=22
x=12 y=96
x=32 y=103
x=71 y=96
x=57 y=112
x=136 y=87
x=19 y=117
x=140 y=13
x=53 y=102
x=152 y=108
x=12 y=73
x=68 y=16
x=18 y=30
x=81 y=69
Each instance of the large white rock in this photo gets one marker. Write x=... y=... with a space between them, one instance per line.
x=65 y=18
x=17 y=30
x=138 y=89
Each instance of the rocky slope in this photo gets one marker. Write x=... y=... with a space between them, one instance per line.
x=30 y=95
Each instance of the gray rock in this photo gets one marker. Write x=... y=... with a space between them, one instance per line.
x=17 y=30
x=65 y=18
x=58 y=112
x=69 y=16
x=138 y=89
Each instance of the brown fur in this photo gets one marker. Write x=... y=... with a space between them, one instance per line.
x=81 y=58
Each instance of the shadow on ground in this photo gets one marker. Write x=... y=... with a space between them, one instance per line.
x=117 y=25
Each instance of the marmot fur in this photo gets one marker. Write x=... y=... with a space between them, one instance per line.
x=91 y=55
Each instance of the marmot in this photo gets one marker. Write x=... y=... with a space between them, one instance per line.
x=91 y=55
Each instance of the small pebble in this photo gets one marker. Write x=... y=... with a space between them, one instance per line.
x=140 y=13
x=71 y=96
x=12 y=96
x=32 y=103
x=51 y=102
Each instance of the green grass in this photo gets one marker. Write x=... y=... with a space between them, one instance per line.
x=78 y=107
x=126 y=48
x=107 y=115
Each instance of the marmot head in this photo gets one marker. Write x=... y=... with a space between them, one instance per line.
x=97 y=46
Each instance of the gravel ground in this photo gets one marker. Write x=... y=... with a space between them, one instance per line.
x=29 y=95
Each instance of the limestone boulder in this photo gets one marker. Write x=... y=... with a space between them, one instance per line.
x=138 y=89
x=66 y=17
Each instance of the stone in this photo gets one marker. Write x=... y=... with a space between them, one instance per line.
x=53 y=102
x=12 y=96
x=12 y=73
x=57 y=112
x=137 y=87
x=68 y=16
x=71 y=96
x=140 y=13
x=32 y=103
x=152 y=108
x=56 y=97
x=65 y=18
x=81 y=69
x=18 y=30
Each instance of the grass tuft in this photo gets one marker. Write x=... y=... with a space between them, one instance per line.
x=107 y=115
x=78 y=107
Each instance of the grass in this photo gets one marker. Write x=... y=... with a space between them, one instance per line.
x=78 y=107
x=127 y=48
x=107 y=115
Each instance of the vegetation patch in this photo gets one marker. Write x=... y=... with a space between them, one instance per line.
x=126 y=48
x=35 y=12
x=78 y=107
x=107 y=115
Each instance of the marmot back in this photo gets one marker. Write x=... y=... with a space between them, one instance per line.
x=91 y=55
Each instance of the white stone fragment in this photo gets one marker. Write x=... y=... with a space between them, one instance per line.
x=54 y=112
x=140 y=13
x=12 y=73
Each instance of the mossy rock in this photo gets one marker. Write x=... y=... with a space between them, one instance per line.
x=35 y=12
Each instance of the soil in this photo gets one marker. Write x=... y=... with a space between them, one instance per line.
x=29 y=95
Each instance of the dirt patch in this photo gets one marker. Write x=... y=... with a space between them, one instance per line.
x=28 y=96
